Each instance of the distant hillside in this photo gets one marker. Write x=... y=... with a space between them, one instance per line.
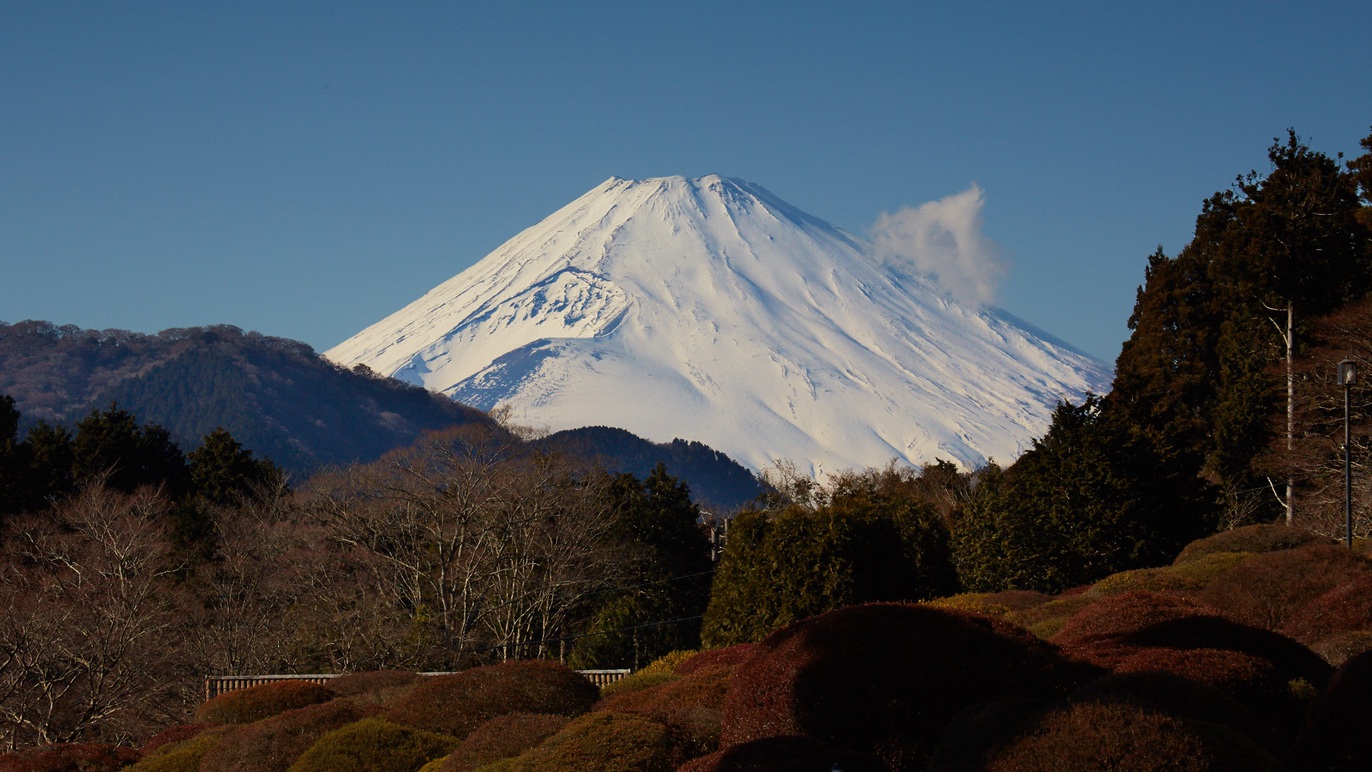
x=276 y=396
x=715 y=479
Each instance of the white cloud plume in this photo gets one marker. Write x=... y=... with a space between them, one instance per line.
x=943 y=239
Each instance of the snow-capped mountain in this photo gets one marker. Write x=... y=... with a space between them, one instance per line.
x=710 y=310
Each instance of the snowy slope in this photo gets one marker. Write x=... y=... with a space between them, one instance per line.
x=708 y=309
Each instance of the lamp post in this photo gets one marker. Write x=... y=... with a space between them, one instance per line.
x=1348 y=375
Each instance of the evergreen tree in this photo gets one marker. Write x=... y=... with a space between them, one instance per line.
x=1090 y=499
x=224 y=473
x=110 y=445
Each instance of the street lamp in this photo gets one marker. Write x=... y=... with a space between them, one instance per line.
x=1348 y=375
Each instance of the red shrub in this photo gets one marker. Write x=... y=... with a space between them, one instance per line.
x=1264 y=589
x=1126 y=613
x=371 y=681
x=1344 y=609
x=725 y=657
x=886 y=678
x=173 y=734
x=692 y=707
x=1119 y=736
x=1250 y=538
x=69 y=757
x=458 y=703
x=1171 y=694
x=1335 y=733
x=275 y=743
x=502 y=738
x=244 y=706
x=784 y=754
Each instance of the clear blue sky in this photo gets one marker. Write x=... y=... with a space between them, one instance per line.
x=303 y=169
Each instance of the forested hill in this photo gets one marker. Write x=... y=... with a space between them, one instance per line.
x=716 y=480
x=276 y=396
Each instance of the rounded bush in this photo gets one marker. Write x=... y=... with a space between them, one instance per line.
x=824 y=677
x=1124 y=614
x=784 y=754
x=1341 y=647
x=1343 y=610
x=181 y=756
x=375 y=745
x=1334 y=735
x=1265 y=589
x=1250 y=538
x=727 y=657
x=502 y=738
x=371 y=682
x=172 y=734
x=275 y=743
x=1095 y=735
x=244 y=706
x=1171 y=694
x=70 y=757
x=458 y=703
x=691 y=706
x=607 y=742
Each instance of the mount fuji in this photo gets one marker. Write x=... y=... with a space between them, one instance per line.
x=710 y=310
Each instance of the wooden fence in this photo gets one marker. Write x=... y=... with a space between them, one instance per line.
x=217 y=685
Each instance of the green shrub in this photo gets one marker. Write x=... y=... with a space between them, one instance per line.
x=502 y=738
x=375 y=745
x=69 y=757
x=606 y=742
x=244 y=706
x=181 y=756
x=1120 y=736
x=1045 y=619
x=821 y=678
x=656 y=672
x=172 y=734
x=458 y=703
x=275 y=743
x=1250 y=538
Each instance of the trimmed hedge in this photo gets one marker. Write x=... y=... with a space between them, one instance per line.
x=606 y=742
x=458 y=703
x=172 y=734
x=1265 y=590
x=1344 y=610
x=372 y=683
x=821 y=678
x=375 y=745
x=503 y=738
x=727 y=657
x=1126 y=614
x=275 y=743
x=784 y=754
x=244 y=706
x=69 y=757
x=1265 y=537
x=183 y=756
x=1121 y=736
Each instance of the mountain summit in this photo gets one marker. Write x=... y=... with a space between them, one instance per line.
x=709 y=309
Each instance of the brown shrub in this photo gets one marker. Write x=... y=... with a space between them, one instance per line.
x=69 y=757
x=727 y=657
x=1264 y=589
x=691 y=706
x=1250 y=538
x=1045 y=619
x=275 y=743
x=1094 y=735
x=371 y=682
x=784 y=754
x=502 y=738
x=824 y=678
x=1335 y=733
x=458 y=703
x=1173 y=695
x=375 y=745
x=607 y=742
x=244 y=706
x=1338 y=649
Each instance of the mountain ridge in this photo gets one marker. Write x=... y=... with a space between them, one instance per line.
x=712 y=310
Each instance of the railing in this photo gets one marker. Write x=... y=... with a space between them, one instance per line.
x=217 y=685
